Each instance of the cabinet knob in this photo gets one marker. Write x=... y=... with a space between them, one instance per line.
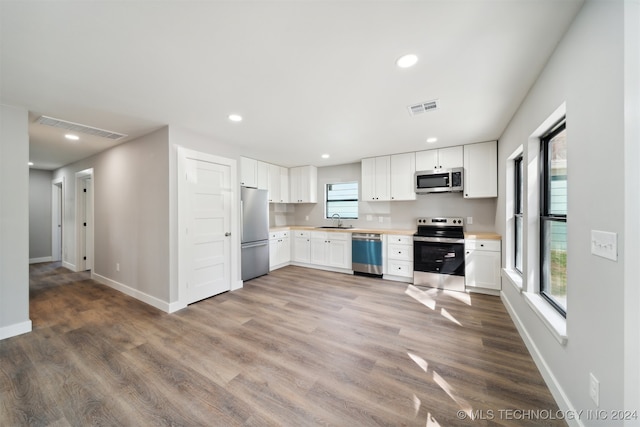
x=399 y=252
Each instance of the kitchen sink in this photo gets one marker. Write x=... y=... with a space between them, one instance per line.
x=341 y=227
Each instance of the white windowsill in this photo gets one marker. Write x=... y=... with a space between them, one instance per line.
x=549 y=316
x=513 y=277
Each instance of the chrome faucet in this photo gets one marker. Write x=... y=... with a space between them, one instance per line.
x=339 y=219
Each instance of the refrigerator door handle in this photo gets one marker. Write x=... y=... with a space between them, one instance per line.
x=227 y=234
x=256 y=244
x=241 y=220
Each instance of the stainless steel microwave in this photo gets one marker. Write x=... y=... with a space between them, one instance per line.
x=438 y=181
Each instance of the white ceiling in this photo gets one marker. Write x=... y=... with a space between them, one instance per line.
x=309 y=77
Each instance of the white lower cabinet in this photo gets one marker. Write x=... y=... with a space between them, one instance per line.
x=399 y=258
x=482 y=264
x=301 y=251
x=331 y=249
x=279 y=249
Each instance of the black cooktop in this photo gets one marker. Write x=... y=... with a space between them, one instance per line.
x=440 y=227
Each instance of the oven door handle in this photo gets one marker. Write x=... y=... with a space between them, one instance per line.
x=437 y=239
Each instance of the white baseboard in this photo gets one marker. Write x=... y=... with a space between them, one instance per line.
x=39 y=260
x=322 y=267
x=139 y=295
x=555 y=387
x=236 y=285
x=15 y=329
x=68 y=265
x=175 y=306
x=397 y=278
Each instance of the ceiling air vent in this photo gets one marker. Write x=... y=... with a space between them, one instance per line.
x=423 y=107
x=76 y=127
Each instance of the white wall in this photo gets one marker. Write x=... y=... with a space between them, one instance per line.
x=586 y=71
x=39 y=215
x=394 y=214
x=14 y=227
x=632 y=206
x=131 y=216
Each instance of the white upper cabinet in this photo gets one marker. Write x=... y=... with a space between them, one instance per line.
x=284 y=185
x=263 y=175
x=274 y=184
x=303 y=184
x=442 y=158
x=427 y=160
x=481 y=170
x=376 y=180
x=248 y=172
x=403 y=168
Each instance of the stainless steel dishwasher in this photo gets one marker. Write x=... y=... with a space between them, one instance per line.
x=366 y=253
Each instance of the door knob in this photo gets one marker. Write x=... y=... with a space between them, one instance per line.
x=227 y=234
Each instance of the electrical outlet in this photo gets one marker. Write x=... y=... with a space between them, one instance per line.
x=380 y=219
x=306 y=218
x=469 y=220
x=117 y=266
x=594 y=389
x=369 y=217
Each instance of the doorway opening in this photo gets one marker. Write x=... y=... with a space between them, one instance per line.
x=57 y=215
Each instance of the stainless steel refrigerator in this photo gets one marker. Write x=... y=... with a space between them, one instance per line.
x=254 y=212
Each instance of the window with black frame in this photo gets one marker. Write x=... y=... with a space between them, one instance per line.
x=517 y=214
x=553 y=218
x=342 y=199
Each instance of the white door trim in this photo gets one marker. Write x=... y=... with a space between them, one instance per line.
x=57 y=219
x=80 y=230
x=183 y=155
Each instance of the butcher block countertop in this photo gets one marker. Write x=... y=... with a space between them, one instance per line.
x=482 y=235
x=346 y=230
x=404 y=232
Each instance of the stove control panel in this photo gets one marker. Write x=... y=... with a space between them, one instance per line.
x=440 y=221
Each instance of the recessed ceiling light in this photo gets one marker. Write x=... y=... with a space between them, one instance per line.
x=431 y=140
x=30 y=163
x=325 y=156
x=72 y=137
x=407 y=61
x=235 y=117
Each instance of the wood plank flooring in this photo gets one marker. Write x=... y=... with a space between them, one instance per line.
x=297 y=347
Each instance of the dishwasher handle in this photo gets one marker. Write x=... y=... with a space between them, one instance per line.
x=369 y=237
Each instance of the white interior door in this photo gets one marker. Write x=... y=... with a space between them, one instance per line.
x=208 y=229
x=88 y=221
x=56 y=221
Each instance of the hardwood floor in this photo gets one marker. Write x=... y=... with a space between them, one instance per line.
x=297 y=347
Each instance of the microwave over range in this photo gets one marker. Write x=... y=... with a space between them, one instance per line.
x=438 y=181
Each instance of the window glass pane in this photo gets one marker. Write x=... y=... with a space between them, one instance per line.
x=342 y=199
x=554 y=256
x=519 y=186
x=518 y=243
x=558 y=174
x=518 y=208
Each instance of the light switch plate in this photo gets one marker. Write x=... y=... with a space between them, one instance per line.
x=604 y=244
